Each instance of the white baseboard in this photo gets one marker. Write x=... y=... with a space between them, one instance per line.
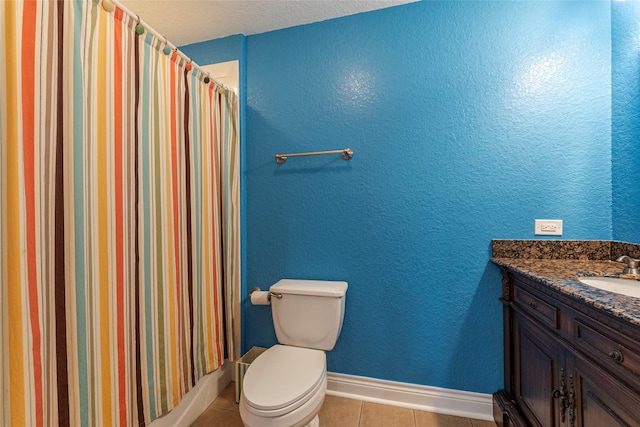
x=424 y=398
x=197 y=399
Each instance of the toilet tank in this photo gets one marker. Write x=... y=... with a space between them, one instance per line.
x=310 y=312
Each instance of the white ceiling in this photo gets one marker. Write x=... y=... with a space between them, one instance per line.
x=188 y=21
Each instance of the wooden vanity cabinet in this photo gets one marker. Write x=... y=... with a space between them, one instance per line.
x=566 y=364
x=537 y=369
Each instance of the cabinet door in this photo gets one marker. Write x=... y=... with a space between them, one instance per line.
x=537 y=372
x=599 y=399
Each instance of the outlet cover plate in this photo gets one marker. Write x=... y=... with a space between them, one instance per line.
x=547 y=227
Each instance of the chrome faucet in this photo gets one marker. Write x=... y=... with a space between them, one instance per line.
x=632 y=264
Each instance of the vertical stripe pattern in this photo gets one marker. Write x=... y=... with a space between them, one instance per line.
x=119 y=219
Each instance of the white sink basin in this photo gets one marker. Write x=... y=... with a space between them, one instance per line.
x=613 y=284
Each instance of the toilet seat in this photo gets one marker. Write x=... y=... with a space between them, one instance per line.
x=282 y=379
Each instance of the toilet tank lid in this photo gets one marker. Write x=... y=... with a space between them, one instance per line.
x=323 y=288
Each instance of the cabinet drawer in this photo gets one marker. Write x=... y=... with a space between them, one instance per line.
x=537 y=307
x=607 y=346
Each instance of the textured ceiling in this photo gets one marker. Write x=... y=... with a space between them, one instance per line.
x=188 y=21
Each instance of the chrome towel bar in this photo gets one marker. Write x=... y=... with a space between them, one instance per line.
x=347 y=153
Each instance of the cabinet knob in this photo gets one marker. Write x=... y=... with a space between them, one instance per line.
x=616 y=355
x=533 y=303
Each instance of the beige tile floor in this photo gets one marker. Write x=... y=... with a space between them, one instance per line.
x=340 y=412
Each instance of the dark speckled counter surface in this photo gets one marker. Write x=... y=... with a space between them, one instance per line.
x=558 y=264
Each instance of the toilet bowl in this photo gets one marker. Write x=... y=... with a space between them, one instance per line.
x=285 y=386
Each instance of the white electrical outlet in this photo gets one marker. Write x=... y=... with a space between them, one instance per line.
x=547 y=227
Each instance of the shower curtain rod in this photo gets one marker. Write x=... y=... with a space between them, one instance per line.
x=148 y=28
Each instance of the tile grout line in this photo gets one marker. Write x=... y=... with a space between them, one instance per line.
x=224 y=409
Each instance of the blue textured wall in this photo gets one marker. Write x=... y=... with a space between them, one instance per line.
x=468 y=120
x=625 y=126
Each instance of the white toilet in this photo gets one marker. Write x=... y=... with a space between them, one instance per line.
x=285 y=385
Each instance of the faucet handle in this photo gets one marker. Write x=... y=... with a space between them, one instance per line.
x=632 y=264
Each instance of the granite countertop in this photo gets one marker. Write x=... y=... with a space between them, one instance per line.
x=562 y=274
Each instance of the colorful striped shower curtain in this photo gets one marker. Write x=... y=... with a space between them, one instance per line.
x=119 y=219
